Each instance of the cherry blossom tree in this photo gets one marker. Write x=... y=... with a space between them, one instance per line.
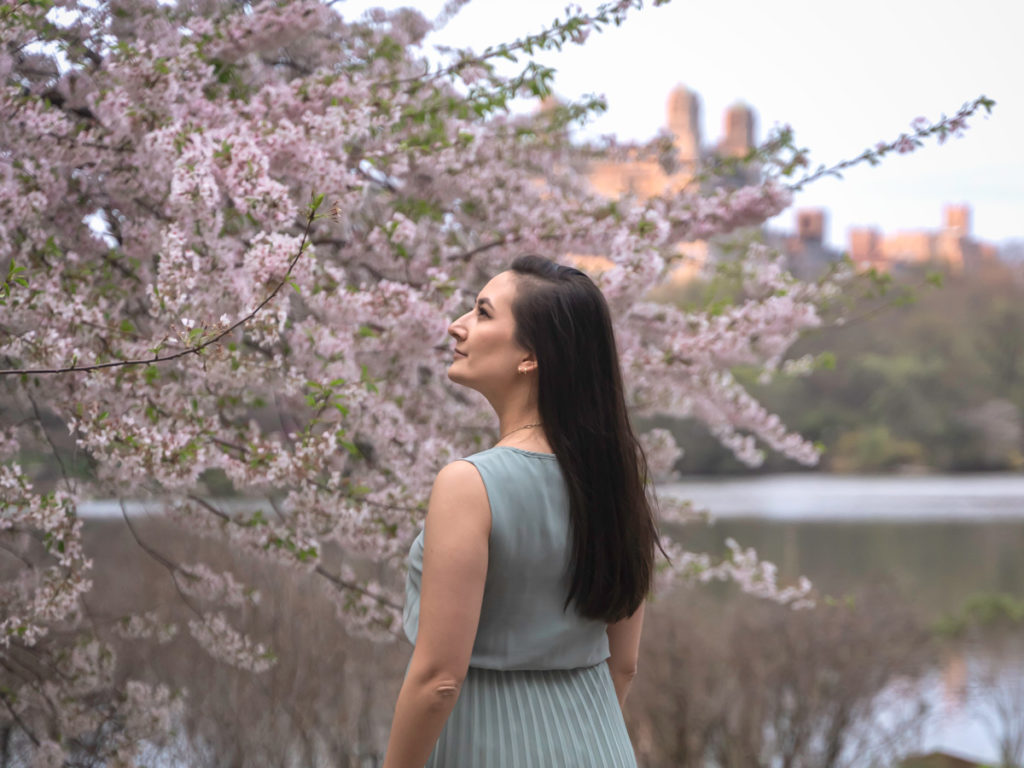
x=232 y=237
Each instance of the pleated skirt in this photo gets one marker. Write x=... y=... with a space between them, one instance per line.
x=569 y=718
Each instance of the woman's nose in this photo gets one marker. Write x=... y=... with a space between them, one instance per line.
x=457 y=329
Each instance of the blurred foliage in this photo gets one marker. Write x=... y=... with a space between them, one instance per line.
x=917 y=370
x=983 y=611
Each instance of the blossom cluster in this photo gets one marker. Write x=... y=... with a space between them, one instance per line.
x=742 y=566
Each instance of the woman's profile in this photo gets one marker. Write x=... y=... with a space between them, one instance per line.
x=525 y=590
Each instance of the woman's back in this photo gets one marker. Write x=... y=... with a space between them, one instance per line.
x=538 y=692
x=522 y=621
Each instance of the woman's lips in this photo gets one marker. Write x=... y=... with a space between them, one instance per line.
x=460 y=354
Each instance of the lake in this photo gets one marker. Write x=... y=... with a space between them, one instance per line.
x=939 y=538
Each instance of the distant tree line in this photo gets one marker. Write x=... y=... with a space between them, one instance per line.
x=924 y=370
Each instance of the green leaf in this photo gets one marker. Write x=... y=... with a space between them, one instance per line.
x=366 y=379
x=350 y=447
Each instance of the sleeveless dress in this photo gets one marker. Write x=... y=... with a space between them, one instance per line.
x=538 y=692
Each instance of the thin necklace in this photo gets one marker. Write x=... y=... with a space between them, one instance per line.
x=525 y=426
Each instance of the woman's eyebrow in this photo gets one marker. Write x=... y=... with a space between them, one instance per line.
x=485 y=300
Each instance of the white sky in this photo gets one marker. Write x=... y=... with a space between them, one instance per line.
x=845 y=75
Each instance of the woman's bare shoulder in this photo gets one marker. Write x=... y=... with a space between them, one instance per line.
x=463 y=479
x=460 y=472
x=459 y=491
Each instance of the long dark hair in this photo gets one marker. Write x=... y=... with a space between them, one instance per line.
x=562 y=317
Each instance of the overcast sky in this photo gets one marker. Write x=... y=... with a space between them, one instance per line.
x=844 y=75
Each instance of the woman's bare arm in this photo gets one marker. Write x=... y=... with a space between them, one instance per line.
x=455 y=543
x=624 y=649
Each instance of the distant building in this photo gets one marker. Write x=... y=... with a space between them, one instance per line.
x=647 y=177
x=952 y=247
x=806 y=253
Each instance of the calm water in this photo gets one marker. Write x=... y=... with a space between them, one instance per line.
x=806 y=497
x=939 y=539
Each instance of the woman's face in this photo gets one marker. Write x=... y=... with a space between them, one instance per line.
x=487 y=357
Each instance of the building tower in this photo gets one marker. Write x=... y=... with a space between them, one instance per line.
x=684 y=122
x=810 y=225
x=957 y=218
x=866 y=247
x=739 y=131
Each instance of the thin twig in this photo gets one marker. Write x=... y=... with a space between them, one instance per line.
x=190 y=350
x=165 y=562
x=21 y=723
x=53 y=447
x=337 y=580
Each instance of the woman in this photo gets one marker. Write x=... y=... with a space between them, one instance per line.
x=525 y=591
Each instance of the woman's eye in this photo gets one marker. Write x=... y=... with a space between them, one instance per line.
x=481 y=312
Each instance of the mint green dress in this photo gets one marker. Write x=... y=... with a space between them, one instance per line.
x=538 y=692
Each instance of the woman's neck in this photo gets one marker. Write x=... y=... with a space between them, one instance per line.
x=523 y=429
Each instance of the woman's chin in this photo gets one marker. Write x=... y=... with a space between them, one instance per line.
x=456 y=377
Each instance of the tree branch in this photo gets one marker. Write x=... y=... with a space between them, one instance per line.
x=190 y=350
